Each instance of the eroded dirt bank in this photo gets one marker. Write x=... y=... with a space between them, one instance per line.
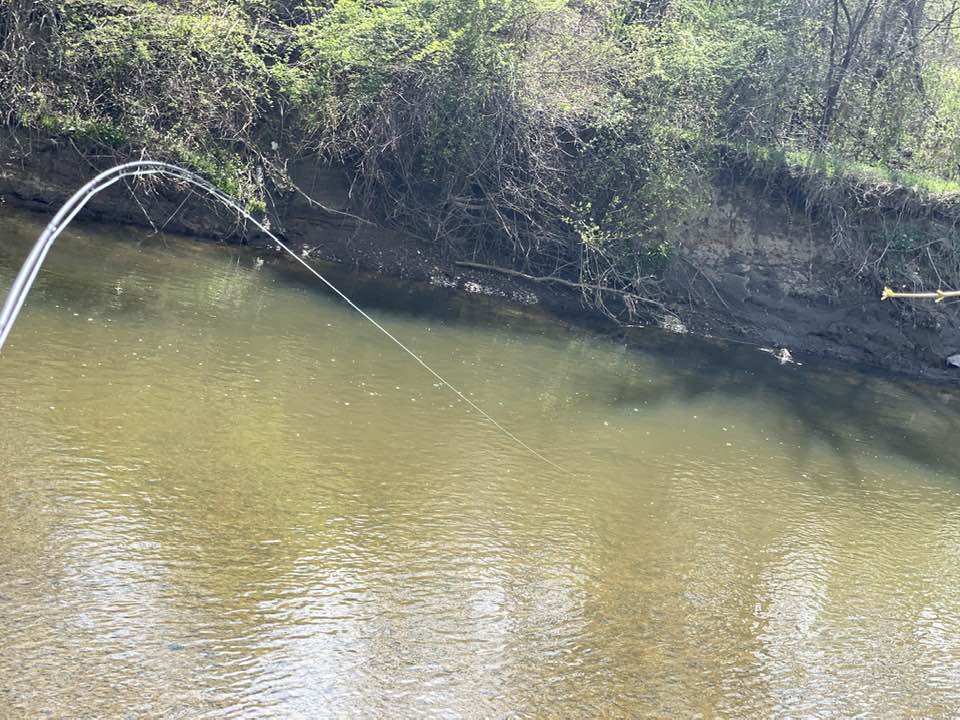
x=759 y=268
x=749 y=267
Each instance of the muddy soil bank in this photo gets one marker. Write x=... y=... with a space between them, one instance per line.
x=748 y=268
x=40 y=173
x=756 y=266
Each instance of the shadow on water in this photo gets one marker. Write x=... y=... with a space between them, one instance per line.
x=377 y=294
x=842 y=409
x=839 y=408
x=404 y=298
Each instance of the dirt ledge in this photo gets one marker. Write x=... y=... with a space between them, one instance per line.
x=749 y=268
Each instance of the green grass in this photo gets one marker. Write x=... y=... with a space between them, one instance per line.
x=807 y=162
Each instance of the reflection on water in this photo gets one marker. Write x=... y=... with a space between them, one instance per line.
x=221 y=494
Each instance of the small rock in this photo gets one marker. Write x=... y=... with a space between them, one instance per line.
x=954 y=361
x=672 y=323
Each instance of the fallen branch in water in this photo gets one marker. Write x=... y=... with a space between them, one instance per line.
x=568 y=283
x=938 y=296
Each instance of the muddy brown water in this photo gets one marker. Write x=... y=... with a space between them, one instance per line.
x=222 y=494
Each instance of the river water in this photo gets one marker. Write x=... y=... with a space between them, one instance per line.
x=223 y=494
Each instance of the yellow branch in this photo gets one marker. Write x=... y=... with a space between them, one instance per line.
x=938 y=296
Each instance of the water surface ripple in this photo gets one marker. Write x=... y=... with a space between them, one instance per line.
x=222 y=495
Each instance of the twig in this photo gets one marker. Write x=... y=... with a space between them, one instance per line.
x=705 y=277
x=567 y=283
x=315 y=203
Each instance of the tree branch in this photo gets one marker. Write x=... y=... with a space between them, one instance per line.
x=566 y=283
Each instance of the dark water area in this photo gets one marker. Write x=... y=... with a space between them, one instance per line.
x=224 y=494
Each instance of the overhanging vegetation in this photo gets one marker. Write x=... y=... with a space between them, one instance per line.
x=564 y=134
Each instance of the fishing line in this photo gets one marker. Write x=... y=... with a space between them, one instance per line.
x=140 y=168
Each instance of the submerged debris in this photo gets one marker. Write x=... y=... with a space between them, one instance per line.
x=782 y=355
x=673 y=324
x=439 y=279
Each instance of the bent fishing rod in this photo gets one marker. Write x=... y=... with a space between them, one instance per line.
x=144 y=168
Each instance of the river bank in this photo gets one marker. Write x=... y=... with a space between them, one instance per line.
x=751 y=266
x=224 y=493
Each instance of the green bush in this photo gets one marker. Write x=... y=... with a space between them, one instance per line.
x=568 y=133
x=185 y=81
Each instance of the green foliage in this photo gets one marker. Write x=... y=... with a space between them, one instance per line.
x=187 y=81
x=470 y=119
x=903 y=238
x=915 y=254
x=567 y=132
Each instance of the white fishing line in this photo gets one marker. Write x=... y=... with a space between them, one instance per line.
x=31 y=267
